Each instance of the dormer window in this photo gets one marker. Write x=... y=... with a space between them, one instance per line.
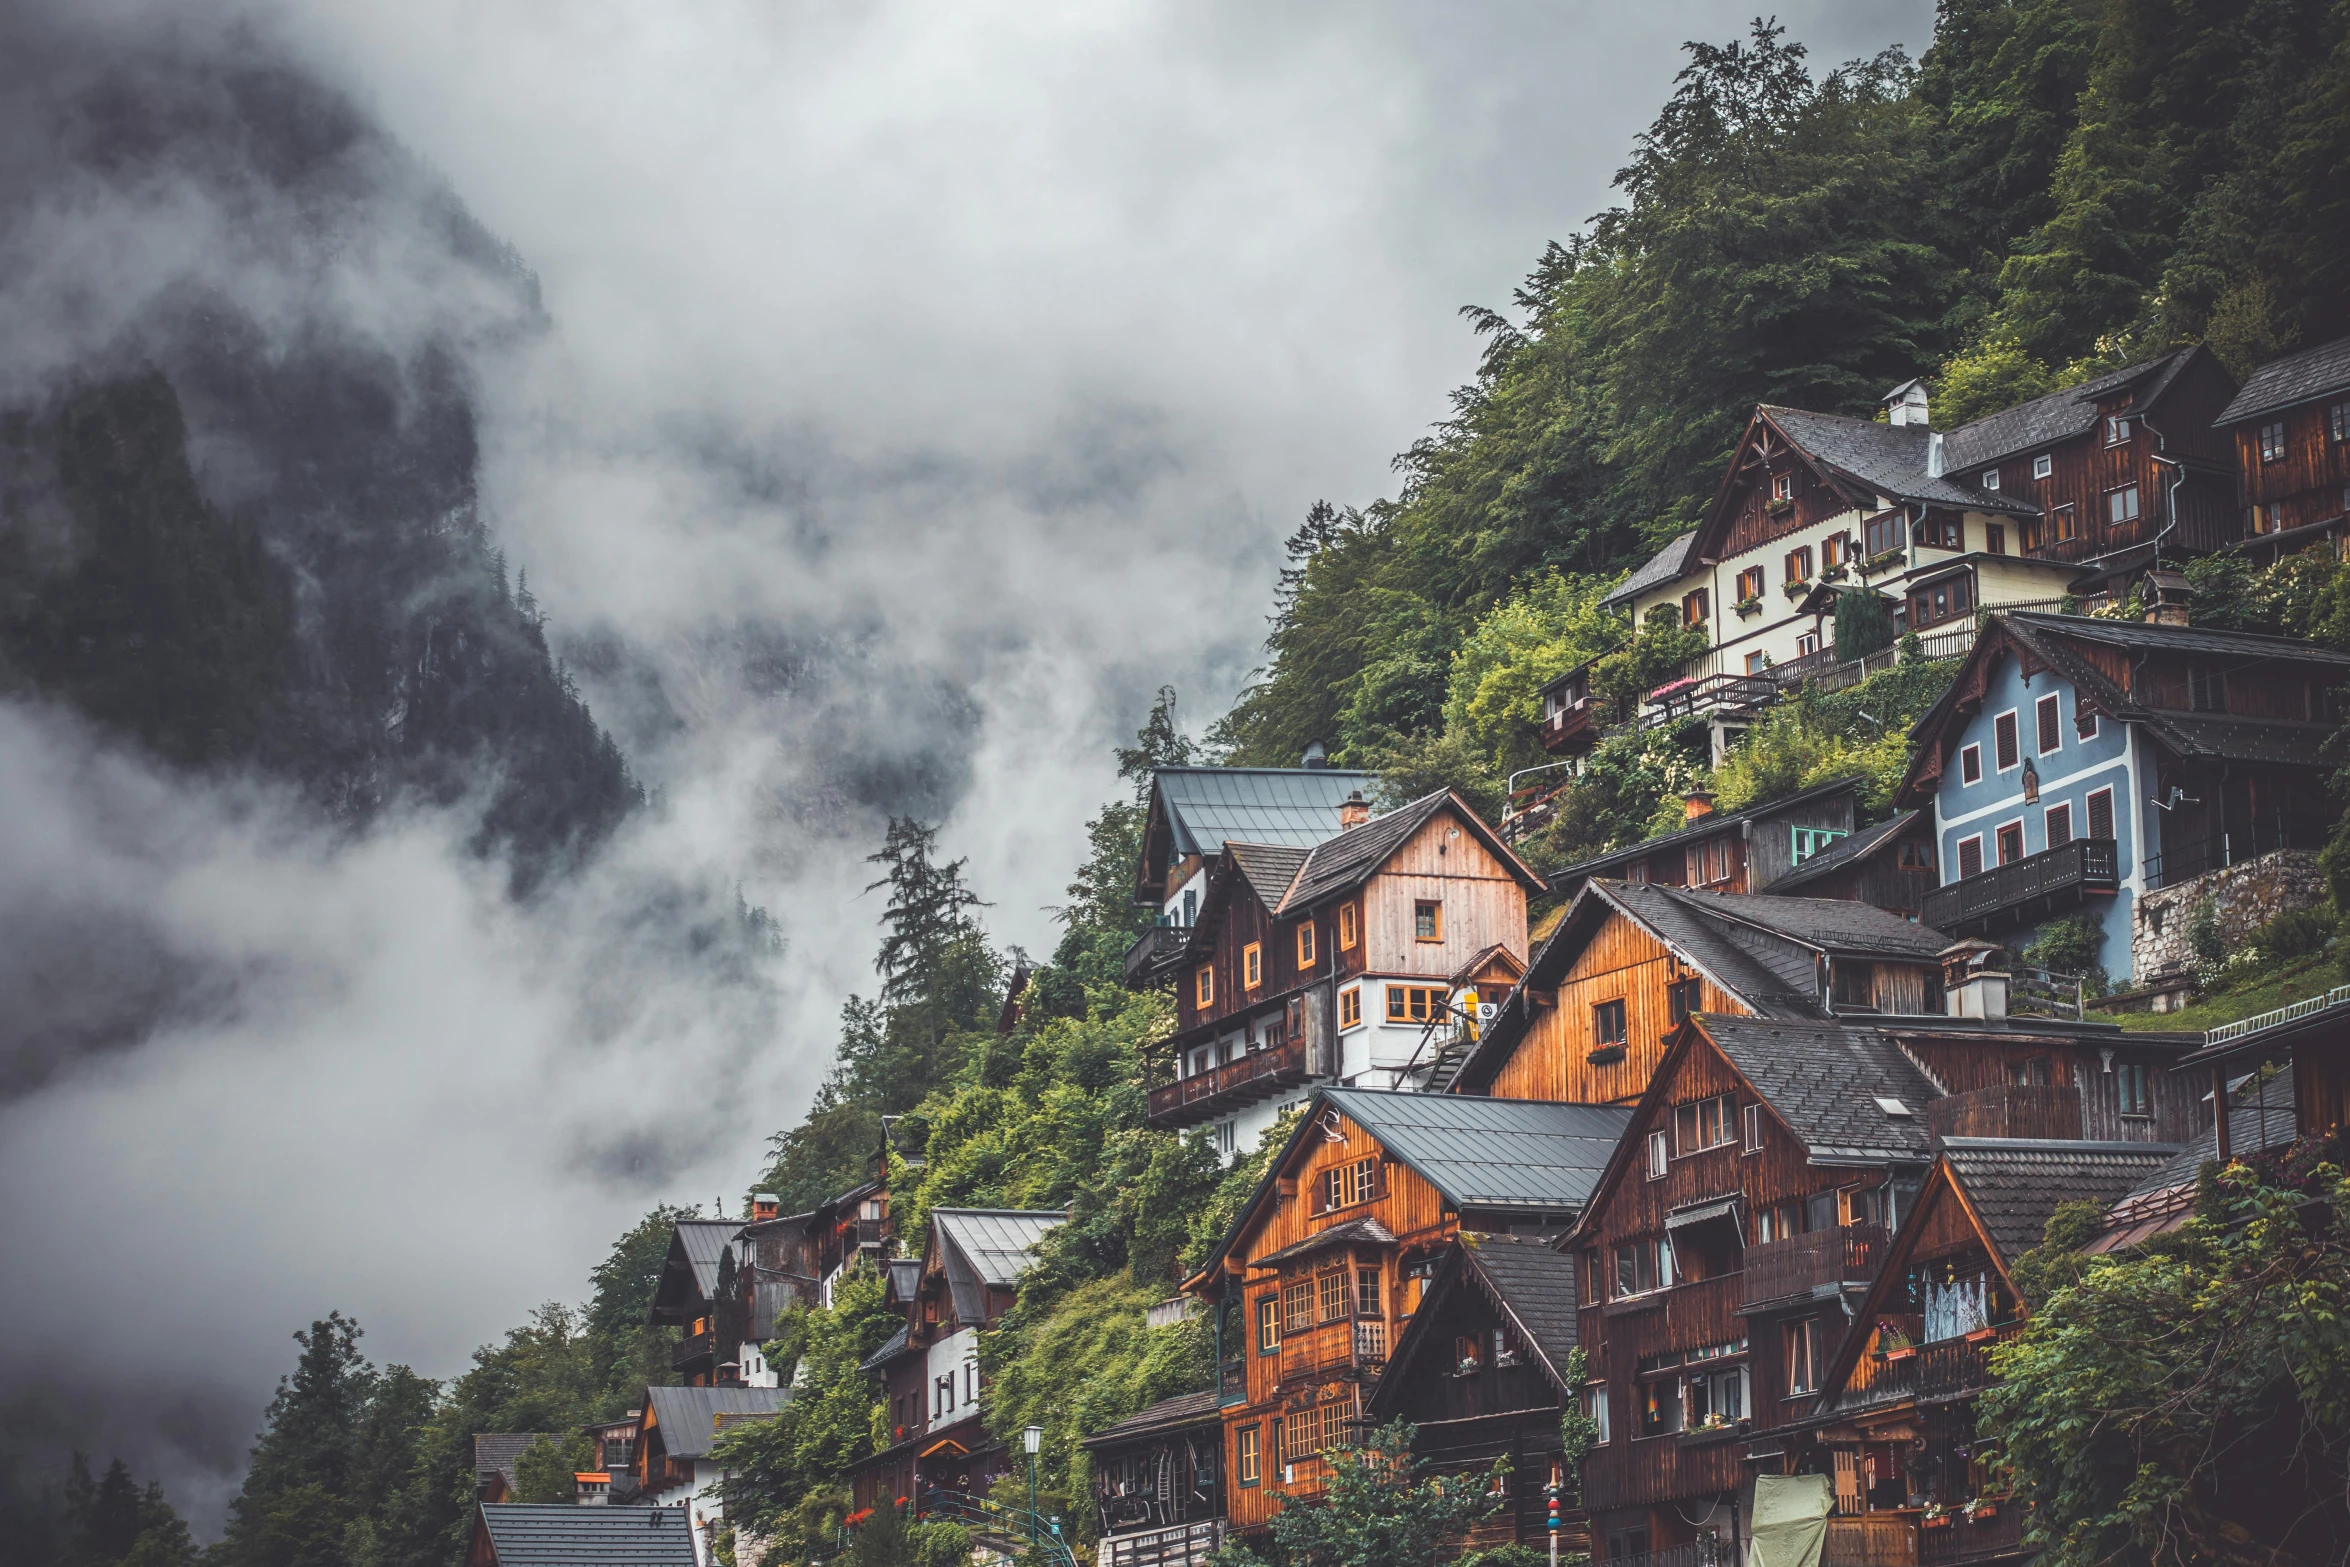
x=1991 y=479
x=1782 y=487
x=2117 y=429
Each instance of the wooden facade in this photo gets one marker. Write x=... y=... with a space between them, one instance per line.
x=2293 y=462
x=1727 y=851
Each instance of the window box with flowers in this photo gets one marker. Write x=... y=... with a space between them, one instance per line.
x=1936 y=1516
x=1983 y=1509
x=1796 y=590
x=1831 y=573
x=1894 y=1344
x=1883 y=560
x=1606 y=1055
x=1671 y=688
x=1745 y=607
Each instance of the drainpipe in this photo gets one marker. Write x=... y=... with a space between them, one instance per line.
x=2171 y=497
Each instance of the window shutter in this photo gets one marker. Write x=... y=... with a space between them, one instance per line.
x=2101 y=814
x=1318 y=1198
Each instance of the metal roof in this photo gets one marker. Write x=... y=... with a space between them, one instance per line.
x=2015 y=1183
x=1839 y=925
x=1491 y=1153
x=2288 y=382
x=688 y=1416
x=1824 y=1081
x=892 y=1347
x=999 y=1243
x=535 y=1535
x=1658 y=569
x=1208 y=807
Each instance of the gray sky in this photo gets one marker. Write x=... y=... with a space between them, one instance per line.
x=972 y=359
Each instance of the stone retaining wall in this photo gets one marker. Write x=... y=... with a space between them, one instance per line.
x=2249 y=895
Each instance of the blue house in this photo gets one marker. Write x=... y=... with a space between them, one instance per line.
x=2077 y=763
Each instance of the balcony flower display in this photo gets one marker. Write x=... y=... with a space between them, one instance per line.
x=1795 y=590
x=1832 y=574
x=1671 y=688
x=1750 y=606
x=1883 y=560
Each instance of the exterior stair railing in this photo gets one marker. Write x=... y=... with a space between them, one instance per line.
x=1008 y=1530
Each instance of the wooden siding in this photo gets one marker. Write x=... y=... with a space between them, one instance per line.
x=2308 y=480
x=1623 y=962
x=1753 y=524
x=1239 y=919
x=1640 y=1471
x=1966 y=1065
x=1771 y=839
x=1482 y=903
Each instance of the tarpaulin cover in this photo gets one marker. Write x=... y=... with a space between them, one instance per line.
x=1790 y=1520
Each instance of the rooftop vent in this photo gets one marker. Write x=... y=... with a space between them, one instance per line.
x=1906 y=403
x=1317 y=756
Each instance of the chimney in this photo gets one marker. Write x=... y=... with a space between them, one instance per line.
x=1970 y=987
x=1697 y=803
x=1317 y=756
x=1352 y=812
x=1933 y=453
x=1906 y=404
x=2168 y=597
x=765 y=1205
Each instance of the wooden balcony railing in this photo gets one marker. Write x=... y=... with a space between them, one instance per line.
x=1945 y=1368
x=2044 y=1110
x=1257 y=1075
x=1966 y=1539
x=2023 y=889
x=1153 y=951
x=1871 y=1540
x=1799 y=1265
x=1573 y=727
x=1344 y=1345
x=1232 y=1382
x=1697 y=1553
x=693 y=1347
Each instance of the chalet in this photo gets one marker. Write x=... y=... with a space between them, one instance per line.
x=1895 y=1424
x=2082 y=763
x=1194 y=811
x=1330 y=1256
x=1356 y=961
x=1768 y=1166
x=675 y=1466
x=2291 y=428
x=1158 y=1488
x=688 y=1297
x=1889 y=866
x=2066 y=493
x=1482 y=1370
x=1631 y=961
x=512 y=1534
x=2262 y=1117
x=968 y=1278
x=1729 y=851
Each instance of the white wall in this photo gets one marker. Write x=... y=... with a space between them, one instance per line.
x=955 y=1356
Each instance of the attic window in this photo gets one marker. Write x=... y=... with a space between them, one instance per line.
x=1990 y=478
x=2043 y=465
x=1893 y=1107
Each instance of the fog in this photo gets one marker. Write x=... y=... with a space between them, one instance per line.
x=908 y=392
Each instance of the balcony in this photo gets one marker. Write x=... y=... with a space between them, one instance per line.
x=2024 y=890
x=1343 y=1345
x=1573 y=728
x=872 y=1232
x=1945 y=1369
x=693 y=1350
x=1258 y=1075
x=1154 y=952
x=1690 y=698
x=1997 y=1537
x=2040 y=1110
x=1231 y=1383
x=1871 y=1540
x=1802 y=1267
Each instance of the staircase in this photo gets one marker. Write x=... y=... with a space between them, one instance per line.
x=1008 y=1531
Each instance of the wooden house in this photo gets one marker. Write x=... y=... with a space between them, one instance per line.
x=2081 y=763
x=2313 y=1047
x=1352 y=961
x=1895 y=1423
x=1728 y=851
x=1631 y=961
x=1889 y=866
x=494 y=1453
x=2065 y=493
x=1329 y=1258
x=2262 y=1118
x=2291 y=429
x=688 y=1297
x=935 y=1397
x=674 y=1465
x=1158 y=1484
x=514 y=1534
x=1482 y=1370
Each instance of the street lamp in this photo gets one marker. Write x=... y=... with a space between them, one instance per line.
x=1032 y=1439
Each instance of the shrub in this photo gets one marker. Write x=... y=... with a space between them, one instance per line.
x=2205 y=938
x=2070 y=945
x=2293 y=935
x=1863 y=625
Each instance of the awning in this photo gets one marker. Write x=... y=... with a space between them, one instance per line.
x=1702 y=1213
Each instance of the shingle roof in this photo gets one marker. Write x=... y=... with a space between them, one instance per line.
x=1535 y=1284
x=1700 y=828
x=2014 y=1184
x=1208 y=807
x=891 y=1348
x=494 y=1452
x=1755 y=970
x=1168 y=1414
x=2141 y=634
x=1889 y=459
x=529 y=1535
x=1269 y=868
x=1838 y=925
x=1346 y=860
x=1824 y=1080
x=688 y=1416
x=1859 y=845
x=1660 y=568
x=1491 y=1153
x=2262 y=1117
x=2294 y=379
x=2058 y=416
x=1367 y=1230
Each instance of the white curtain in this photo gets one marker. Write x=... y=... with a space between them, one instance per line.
x=1957 y=1307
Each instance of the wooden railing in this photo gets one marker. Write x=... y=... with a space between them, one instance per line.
x=1697 y=1553
x=1152 y=950
x=2082 y=866
x=1574 y=724
x=1345 y=1344
x=1250 y=1078
x=1799 y=1264
x=2043 y=1110
x=1871 y=1540
x=693 y=1347
x=1232 y=1382
x=1949 y=1367
x=1965 y=1539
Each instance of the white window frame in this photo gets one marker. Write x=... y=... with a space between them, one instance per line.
x=2051 y=704
x=1750 y=1119
x=2023 y=841
x=2047 y=832
x=1975 y=767
x=1659 y=1155
x=1807 y=643
x=2017 y=717
x=1595 y=1409
x=1958 y=855
x=1991 y=479
x=2043 y=465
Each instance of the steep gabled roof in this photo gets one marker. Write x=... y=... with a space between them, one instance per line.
x=525 y=1534
x=1658 y=569
x=1341 y=864
x=688 y=1417
x=1771 y=975
x=1183 y=1411
x=1844 y=851
x=689 y=1274
x=988 y=1248
x=2291 y=381
x=1832 y=925
x=2053 y=640
x=2014 y=1184
x=1703 y=827
x=2062 y=415
x=1491 y=1153
x=1208 y=807
x=1830 y=1085
x=1268 y=868
x=1885 y=459
x=1528 y=1282
x=494 y=1452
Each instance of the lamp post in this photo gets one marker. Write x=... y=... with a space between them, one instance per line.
x=1032 y=1439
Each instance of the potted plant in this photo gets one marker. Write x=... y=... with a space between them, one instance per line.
x=1936 y=1516
x=1832 y=573
x=1606 y=1055
x=1796 y=590
x=1982 y=1509
x=1894 y=1344
x=1883 y=560
x=1745 y=607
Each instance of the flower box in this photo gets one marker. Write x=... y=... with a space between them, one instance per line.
x=1796 y=590
x=1983 y=1512
x=1935 y=1521
x=1606 y=1055
x=1883 y=560
x=1982 y=1335
x=1780 y=506
x=1746 y=607
x=1671 y=688
x=1902 y=1352
x=1831 y=573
